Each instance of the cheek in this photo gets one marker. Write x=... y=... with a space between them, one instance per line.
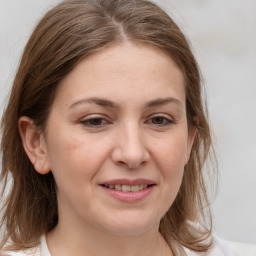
x=171 y=152
x=74 y=159
x=170 y=156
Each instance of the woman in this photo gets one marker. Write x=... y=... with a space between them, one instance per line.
x=105 y=136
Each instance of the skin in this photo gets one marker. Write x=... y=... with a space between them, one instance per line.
x=138 y=129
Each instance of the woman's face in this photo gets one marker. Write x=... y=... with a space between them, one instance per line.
x=117 y=139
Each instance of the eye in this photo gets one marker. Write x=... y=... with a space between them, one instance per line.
x=94 y=122
x=160 y=121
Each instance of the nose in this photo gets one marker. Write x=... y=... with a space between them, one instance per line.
x=130 y=148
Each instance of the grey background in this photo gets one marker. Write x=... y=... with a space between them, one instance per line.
x=223 y=36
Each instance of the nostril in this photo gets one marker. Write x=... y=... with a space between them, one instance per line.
x=131 y=164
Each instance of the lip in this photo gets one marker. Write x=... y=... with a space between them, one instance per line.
x=128 y=182
x=128 y=197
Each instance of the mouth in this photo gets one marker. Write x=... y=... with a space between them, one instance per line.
x=127 y=188
x=128 y=191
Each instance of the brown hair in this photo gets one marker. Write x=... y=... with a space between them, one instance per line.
x=66 y=35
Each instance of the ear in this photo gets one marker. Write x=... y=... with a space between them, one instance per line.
x=33 y=142
x=191 y=137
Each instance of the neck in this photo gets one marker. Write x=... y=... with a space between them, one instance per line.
x=64 y=240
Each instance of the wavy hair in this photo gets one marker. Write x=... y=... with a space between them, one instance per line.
x=65 y=35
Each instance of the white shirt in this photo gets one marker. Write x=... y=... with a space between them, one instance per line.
x=220 y=248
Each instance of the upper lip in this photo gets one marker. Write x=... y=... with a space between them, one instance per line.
x=128 y=182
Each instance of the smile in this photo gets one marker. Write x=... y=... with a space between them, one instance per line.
x=127 y=188
x=129 y=191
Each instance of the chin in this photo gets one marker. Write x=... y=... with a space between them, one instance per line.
x=131 y=224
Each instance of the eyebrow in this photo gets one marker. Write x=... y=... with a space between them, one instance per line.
x=107 y=103
x=97 y=101
x=163 y=101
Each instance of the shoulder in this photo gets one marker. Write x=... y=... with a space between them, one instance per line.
x=241 y=249
x=31 y=252
x=40 y=250
x=226 y=248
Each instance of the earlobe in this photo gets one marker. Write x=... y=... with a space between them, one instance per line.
x=33 y=142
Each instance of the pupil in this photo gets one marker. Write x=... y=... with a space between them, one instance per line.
x=95 y=121
x=158 y=120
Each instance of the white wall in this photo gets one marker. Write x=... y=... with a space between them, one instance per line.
x=223 y=35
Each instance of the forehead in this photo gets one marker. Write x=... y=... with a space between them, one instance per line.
x=122 y=72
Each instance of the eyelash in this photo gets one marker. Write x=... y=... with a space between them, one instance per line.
x=89 y=122
x=166 y=121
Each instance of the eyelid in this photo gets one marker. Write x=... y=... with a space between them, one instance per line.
x=88 y=118
x=92 y=116
x=167 y=117
x=85 y=121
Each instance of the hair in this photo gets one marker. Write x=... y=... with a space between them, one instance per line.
x=67 y=34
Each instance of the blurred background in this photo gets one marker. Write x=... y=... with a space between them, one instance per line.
x=223 y=37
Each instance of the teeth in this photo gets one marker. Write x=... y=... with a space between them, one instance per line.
x=118 y=187
x=135 y=188
x=127 y=188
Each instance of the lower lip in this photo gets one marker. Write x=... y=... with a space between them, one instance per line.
x=129 y=197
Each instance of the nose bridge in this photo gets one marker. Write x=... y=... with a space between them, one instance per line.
x=130 y=145
x=132 y=135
